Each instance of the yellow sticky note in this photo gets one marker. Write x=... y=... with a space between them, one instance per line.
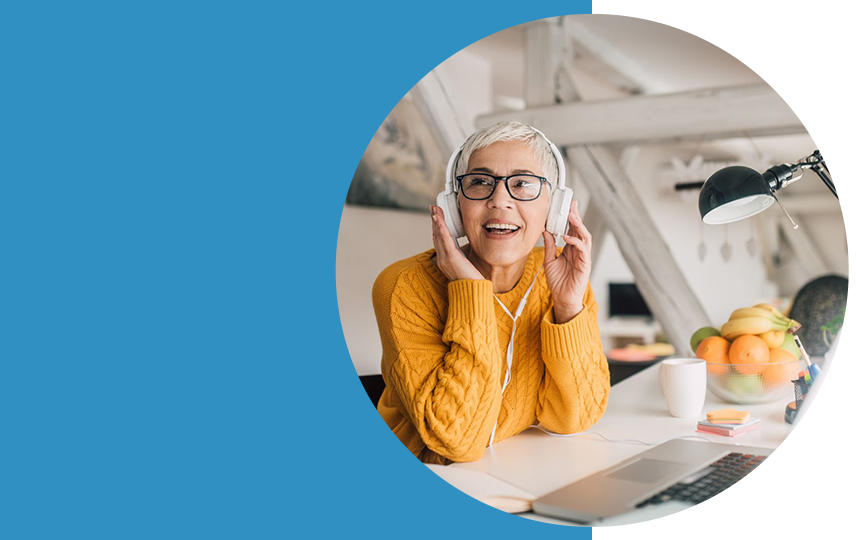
x=729 y=415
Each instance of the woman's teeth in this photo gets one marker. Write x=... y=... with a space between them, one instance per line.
x=501 y=228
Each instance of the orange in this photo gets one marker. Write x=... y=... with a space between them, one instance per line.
x=750 y=353
x=783 y=368
x=714 y=350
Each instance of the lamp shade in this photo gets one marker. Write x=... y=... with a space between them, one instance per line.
x=732 y=194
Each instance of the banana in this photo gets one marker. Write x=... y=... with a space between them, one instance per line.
x=743 y=313
x=766 y=311
x=771 y=309
x=792 y=324
x=749 y=325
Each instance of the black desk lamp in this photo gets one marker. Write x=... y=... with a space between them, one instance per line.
x=736 y=193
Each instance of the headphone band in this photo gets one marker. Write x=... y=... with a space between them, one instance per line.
x=557 y=155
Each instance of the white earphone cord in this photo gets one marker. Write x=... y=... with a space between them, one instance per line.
x=509 y=355
x=631 y=441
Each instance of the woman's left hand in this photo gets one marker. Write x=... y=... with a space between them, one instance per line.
x=568 y=274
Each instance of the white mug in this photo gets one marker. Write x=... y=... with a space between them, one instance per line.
x=683 y=382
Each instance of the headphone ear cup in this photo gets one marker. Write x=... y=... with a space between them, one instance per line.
x=560 y=207
x=449 y=203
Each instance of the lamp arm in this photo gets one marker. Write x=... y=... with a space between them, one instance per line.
x=823 y=174
x=816 y=163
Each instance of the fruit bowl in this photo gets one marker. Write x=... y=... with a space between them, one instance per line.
x=747 y=384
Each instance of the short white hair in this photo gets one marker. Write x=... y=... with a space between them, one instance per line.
x=511 y=131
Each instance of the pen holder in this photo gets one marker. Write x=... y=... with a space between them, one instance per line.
x=800 y=391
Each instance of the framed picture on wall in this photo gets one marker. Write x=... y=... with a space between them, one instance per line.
x=402 y=167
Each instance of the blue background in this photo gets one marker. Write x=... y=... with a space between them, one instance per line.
x=173 y=363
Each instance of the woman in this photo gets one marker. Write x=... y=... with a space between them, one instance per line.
x=446 y=316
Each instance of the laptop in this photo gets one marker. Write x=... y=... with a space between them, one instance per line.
x=660 y=481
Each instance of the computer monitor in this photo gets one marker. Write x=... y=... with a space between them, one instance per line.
x=626 y=301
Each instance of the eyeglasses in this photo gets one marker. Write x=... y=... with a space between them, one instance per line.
x=480 y=186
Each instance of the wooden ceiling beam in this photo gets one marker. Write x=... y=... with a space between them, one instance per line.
x=446 y=124
x=734 y=111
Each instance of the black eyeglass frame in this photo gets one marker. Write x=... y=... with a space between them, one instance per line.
x=496 y=180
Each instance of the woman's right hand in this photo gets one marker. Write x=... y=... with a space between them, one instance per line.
x=450 y=259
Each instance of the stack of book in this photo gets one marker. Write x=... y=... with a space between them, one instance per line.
x=728 y=423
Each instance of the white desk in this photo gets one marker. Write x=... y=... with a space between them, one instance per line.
x=540 y=463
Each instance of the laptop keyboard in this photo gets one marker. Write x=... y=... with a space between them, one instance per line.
x=706 y=483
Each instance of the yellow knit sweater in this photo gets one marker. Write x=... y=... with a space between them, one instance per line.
x=444 y=348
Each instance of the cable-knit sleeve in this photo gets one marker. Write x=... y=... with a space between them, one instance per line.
x=575 y=388
x=443 y=367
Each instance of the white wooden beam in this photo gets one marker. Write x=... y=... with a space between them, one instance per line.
x=549 y=52
x=431 y=97
x=736 y=111
x=628 y=157
x=595 y=222
x=594 y=219
x=660 y=280
x=602 y=60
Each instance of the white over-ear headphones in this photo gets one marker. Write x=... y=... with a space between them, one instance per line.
x=560 y=205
